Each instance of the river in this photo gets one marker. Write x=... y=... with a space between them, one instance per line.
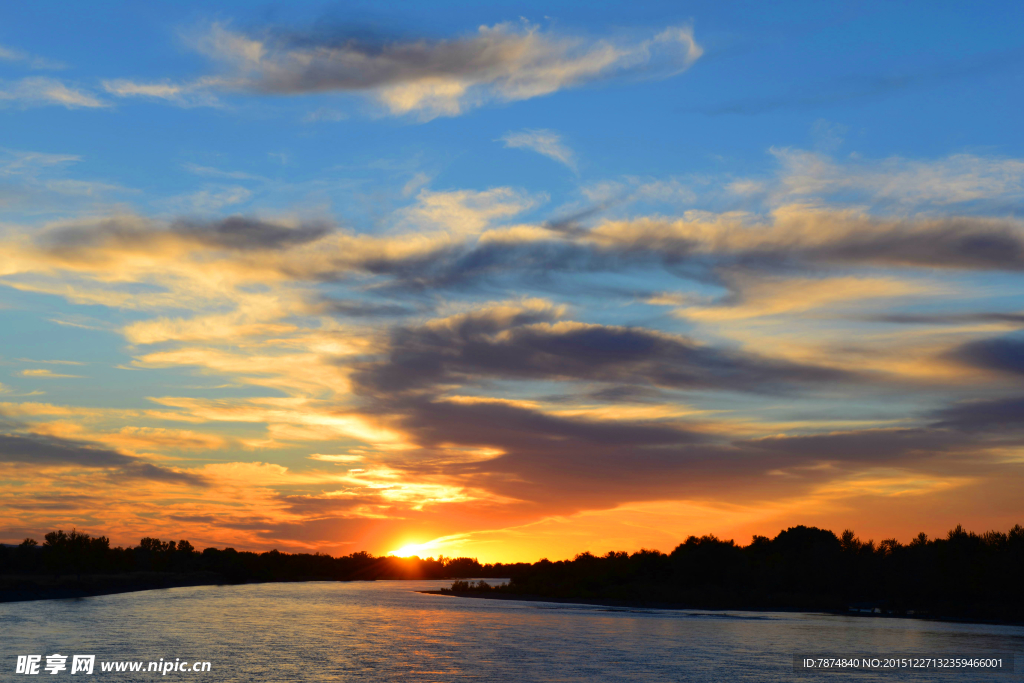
x=387 y=631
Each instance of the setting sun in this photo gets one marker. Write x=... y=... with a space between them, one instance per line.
x=413 y=549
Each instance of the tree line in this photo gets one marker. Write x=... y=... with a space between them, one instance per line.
x=80 y=554
x=962 y=575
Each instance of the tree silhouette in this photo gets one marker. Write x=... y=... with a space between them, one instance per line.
x=963 y=574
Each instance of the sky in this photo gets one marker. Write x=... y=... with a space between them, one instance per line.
x=509 y=281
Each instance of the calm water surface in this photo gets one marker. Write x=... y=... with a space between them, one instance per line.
x=386 y=631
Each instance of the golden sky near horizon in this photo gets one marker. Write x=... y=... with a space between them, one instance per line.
x=484 y=295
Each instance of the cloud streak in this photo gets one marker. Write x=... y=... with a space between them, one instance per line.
x=46 y=374
x=9 y=54
x=425 y=78
x=455 y=239
x=995 y=415
x=42 y=451
x=183 y=95
x=39 y=91
x=531 y=342
x=235 y=233
x=546 y=142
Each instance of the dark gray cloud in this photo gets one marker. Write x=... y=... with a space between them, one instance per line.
x=958 y=242
x=512 y=62
x=356 y=532
x=489 y=345
x=623 y=393
x=496 y=423
x=563 y=464
x=237 y=233
x=989 y=416
x=574 y=224
x=573 y=462
x=243 y=234
x=357 y=308
x=52 y=502
x=1005 y=354
x=344 y=61
x=467 y=265
x=946 y=319
x=968 y=243
x=964 y=243
x=321 y=506
x=876 y=446
x=47 y=450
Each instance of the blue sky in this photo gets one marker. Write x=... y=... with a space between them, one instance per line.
x=288 y=260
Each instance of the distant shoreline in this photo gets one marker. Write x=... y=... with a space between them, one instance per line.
x=28 y=588
x=49 y=587
x=633 y=604
x=25 y=589
x=609 y=602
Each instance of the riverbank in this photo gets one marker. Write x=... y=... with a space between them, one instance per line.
x=622 y=604
x=524 y=597
x=48 y=587
x=639 y=605
x=20 y=588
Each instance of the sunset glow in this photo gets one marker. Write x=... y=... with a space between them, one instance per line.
x=507 y=285
x=411 y=550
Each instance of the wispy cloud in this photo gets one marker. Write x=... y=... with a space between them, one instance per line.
x=753 y=297
x=418 y=181
x=83 y=188
x=325 y=114
x=9 y=54
x=426 y=78
x=52 y=362
x=336 y=458
x=35 y=182
x=208 y=200
x=219 y=173
x=196 y=94
x=464 y=212
x=546 y=142
x=39 y=91
x=957 y=179
x=18 y=162
x=42 y=373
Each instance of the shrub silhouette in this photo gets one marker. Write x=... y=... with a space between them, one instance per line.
x=963 y=574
